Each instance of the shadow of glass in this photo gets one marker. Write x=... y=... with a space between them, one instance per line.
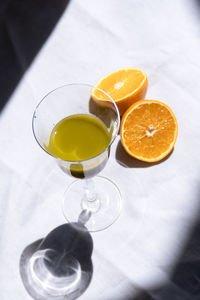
x=24 y=27
x=68 y=240
x=127 y=161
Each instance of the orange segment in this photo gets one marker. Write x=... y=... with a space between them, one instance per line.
x=124 y=86
x=149 y=130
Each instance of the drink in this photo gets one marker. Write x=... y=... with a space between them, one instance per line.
x=77 y=138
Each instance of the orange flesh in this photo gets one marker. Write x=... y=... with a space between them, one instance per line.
x=121 y=84
x=149 y=131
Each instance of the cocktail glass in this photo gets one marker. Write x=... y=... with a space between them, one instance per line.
x=92 y=200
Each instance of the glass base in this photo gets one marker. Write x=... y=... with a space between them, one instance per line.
x=97 y=214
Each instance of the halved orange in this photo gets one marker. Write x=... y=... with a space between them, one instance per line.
x=125 y=86
x=149 y=130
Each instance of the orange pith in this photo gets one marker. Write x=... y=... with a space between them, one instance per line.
x=125 y=86
x=149 y=130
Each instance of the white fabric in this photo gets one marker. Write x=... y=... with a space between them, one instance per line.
x=160 y=201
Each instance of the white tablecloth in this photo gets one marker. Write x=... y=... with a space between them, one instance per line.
x=140 y=253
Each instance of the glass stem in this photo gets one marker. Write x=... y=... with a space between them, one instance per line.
x=90 y=193
x=90 y=200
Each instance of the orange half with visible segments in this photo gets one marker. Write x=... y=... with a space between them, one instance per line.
x=149 y=130
x=125 y=86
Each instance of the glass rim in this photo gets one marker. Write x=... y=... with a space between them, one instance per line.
x=74 y=84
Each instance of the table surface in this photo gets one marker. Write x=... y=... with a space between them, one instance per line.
x=140 y=256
